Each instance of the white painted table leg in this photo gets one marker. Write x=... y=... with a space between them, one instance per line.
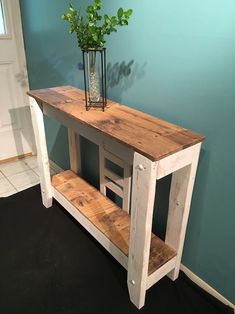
x=102 y=166
x=143 y=192
x=127 y=187
x=179 y=205
x=42 y=155
x=74 y=151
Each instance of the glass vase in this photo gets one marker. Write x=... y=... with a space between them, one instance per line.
x=94 y=62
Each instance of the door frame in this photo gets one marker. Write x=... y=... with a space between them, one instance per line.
x=12 y=15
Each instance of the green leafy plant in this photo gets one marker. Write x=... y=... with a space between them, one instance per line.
x=91 y=27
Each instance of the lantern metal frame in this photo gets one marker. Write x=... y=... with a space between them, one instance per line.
x=98 y=53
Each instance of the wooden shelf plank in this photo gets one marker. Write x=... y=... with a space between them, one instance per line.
x=110 y=219
x=148 y=135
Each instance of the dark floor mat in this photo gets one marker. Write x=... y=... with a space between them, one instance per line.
x=50 y=265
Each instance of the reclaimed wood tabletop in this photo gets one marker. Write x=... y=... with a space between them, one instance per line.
x=145 y=134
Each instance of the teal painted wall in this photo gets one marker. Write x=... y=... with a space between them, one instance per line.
x=51 y=61
x=183 y=70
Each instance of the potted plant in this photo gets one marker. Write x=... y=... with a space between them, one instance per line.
x=91 y=29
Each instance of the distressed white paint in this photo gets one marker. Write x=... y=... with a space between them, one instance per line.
x=179 y=206
x=102 y=175
x=112 y=181
x=161 y=272
x=176 y=161
x=115 y=159
x=145 y=172
x=127 y=187
x=114 y=177
x=113 y=187
x=42 y=155
x=143 y=192
x=74 y=151
x=156 y=276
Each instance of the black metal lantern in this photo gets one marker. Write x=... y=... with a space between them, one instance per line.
x=94 y=63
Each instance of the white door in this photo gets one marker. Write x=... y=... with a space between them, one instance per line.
x=16 y=135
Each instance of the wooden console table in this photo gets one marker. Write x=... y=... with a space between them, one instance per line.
x=147 y=149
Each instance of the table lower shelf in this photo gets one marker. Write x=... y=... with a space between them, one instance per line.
x=109 y=219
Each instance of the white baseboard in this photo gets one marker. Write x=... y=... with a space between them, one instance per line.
x=202 y=284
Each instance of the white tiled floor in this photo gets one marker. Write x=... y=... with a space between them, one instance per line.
x=19 y=175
